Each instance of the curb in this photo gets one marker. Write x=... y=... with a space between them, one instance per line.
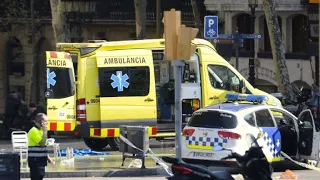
x=101 y=173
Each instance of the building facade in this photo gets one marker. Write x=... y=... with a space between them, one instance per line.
x=293 y=21
x=24 y=38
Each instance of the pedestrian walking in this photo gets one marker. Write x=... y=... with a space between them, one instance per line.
x=37 y=150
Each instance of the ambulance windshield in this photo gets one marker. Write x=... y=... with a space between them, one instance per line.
x=60 y=83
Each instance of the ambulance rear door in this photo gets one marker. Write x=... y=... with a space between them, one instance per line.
x=127 y=88
x=60 y=92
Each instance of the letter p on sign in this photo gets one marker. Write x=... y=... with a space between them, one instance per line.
x=210 y=23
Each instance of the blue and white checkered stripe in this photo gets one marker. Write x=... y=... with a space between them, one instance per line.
x=206 y=141
x=273 y=147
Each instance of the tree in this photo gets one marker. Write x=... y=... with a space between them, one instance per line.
x=59 y=22
x=196 y=15
x=141 y=17
x=277 y=48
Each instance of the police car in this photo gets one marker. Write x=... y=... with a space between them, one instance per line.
x=227 y=124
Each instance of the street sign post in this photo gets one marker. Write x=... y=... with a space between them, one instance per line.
x=211 y=27
x=177 y=49
x=239 y=39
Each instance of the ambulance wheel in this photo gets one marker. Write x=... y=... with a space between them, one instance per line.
x=95 y=143
x=114 y=143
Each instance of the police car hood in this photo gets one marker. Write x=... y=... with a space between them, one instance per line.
x=271 y=99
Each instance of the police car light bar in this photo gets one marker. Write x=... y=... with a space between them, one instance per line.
x=246 y=97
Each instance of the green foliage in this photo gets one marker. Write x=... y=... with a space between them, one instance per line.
x=22 y=9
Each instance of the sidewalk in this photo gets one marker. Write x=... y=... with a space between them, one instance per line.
x=100 y=166
x=104 y=178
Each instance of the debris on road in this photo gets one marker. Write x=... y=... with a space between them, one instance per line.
x=288 y=174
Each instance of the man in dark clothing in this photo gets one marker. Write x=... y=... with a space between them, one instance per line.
x=28 y=122
x=22 y=115
x=11 y=108
x=42 y=109
x=33 y=111
x=11 y=112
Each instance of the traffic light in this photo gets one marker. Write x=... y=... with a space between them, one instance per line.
x=251 y=72
x=178 y=37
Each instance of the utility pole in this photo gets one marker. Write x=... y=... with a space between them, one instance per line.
x=237 y=51
x=178 y=48
x=253 y=4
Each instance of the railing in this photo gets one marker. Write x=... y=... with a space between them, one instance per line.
x=105 y=9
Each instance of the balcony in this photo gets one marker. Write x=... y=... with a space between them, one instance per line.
x=116 y=10
x=242 y=5
x=109 y=11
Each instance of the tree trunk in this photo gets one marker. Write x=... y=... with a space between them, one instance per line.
x=196 y=15
x=59 y=22
x=277 y=48
x=141 y=17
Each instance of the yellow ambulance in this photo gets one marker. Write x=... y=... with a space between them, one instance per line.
x=131 y=83
x=61 y=92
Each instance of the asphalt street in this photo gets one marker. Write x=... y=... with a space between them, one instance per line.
x=302 y=175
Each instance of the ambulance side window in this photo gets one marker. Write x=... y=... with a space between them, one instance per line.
x=221 y=77
x=264 y=119
x=75 y=65
x=124 y=81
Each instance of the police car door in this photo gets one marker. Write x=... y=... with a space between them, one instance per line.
x=271 y=138
x=308 y=146
x=127 y=88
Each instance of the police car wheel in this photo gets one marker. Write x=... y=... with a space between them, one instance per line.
x=95 y=143
x=114 y=143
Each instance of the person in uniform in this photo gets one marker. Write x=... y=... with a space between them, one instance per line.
x=37 y=150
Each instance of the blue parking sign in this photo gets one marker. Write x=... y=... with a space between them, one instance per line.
x=211 y=27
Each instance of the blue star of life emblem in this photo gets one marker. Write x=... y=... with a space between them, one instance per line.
x=50 y=78
x=119 y=81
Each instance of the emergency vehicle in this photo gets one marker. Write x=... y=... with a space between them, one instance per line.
x=130 y=83
x=226 y=126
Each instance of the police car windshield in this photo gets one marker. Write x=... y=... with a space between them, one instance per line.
x=213 y=119
x=60 y=83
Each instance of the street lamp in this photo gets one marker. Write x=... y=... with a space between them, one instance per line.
x=253 y=4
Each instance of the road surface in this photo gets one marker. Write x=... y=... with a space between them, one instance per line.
x=302 y=174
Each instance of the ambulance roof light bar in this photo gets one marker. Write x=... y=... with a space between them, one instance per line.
x=246 y=97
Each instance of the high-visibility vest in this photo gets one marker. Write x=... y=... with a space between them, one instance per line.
x=36 y=153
